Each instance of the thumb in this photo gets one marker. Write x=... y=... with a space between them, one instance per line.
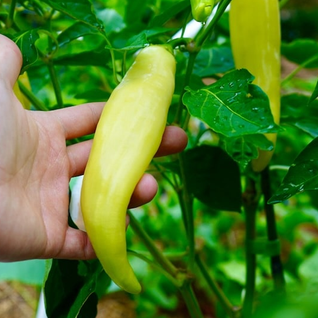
x=10 y=60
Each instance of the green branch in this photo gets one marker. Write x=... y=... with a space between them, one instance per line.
x=56 y=85
x=191 y=301
x=276 y=264
x=186 y=203
x=189 y=71
x=112 y=55
x=32 y=98
x=224 y=301
x=174 y=281
x=151 y=247
x=10 y=20
x=251 y=199
x=180 y=279
x=299 y=68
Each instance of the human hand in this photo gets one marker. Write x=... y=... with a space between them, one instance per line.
x=36 y=167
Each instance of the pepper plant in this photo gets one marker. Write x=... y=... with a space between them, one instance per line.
x=213 y=240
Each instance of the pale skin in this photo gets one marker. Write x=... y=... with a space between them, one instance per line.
x=36 y=167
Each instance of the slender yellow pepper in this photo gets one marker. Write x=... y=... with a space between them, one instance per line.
x=23 y=100
x=126 y=139
x=201 y=9
x=255 y=40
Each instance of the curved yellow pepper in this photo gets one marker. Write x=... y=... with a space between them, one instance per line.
x=126 y=139
x=23 y=100
x=255 y=39
x=201 y=9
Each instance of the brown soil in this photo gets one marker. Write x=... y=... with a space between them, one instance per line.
x=18 y=300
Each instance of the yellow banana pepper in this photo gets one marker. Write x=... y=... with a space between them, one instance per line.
x=126 y=139
x=255 y=39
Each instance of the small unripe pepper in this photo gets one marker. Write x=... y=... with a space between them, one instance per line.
x=255 y=39
x=127 y=137
x=201 y=9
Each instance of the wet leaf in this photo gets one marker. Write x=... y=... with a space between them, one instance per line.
x=314 y=94
x=81 y=10
x=75 y=31
x=232 y=106
x=213 y=60
x=78 y=284
x=301 y=176
x=245 y=148
x=26 y=43
x=213 y=177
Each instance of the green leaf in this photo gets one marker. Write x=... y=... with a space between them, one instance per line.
x=245 y=148
x=93 y=95
x=293 y=105
x=112 y=21
x=308 y=268
x=148 y=34
x=134 y=11
x=297 y=111
x=119 y=5
x=26 y=43
x=301 y=176
x=314 y=94
x=232 y=106
x=213 y=60
x=141 y=39
x=169 y=13
x=213 y=178
x=234 y=270
x=91 y=58
x=81 y=10
x=308 y=125
x=301 y=51
x=75 y=31
x=136 y=42
x=71 y=288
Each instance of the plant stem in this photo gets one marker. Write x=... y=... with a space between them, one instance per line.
x=251 y=199
x=32 y=98
x=10 y=20
x=186 y=203
x=183 y=210
x=202 y=36
x=154 y=251
x=163 y=174
x=180 y=280
x=191 y=301
x=276 y=264
x=228 y=307
x=156 y=266
x=189 y=70
x=112 y=55
x=11 y=11
x=185 y=199
x=55 y=83
x=299 y=68
x=179 y=42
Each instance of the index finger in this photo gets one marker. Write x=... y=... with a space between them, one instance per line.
x=81 y=120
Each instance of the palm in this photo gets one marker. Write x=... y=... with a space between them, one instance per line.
x=34 y=180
